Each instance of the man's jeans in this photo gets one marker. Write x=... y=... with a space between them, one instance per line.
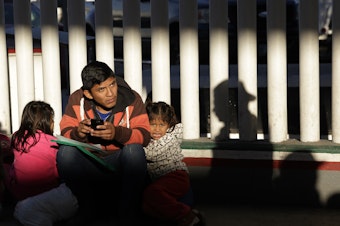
x=93 y=184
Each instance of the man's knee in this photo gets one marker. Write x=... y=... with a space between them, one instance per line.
x=67 y=154
x=134 y=150
x=134 y=156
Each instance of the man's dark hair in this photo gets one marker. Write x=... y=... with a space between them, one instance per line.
x=95 y=73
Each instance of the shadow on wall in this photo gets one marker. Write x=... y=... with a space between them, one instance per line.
x=221 y=95
x=233 y=180
x=254 y=177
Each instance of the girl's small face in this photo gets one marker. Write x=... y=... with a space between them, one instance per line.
x=158 y=128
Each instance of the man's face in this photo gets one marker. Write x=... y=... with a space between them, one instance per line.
x=104 y=94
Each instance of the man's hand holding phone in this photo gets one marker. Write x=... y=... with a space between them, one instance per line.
x=96 y=122
x=106 y=131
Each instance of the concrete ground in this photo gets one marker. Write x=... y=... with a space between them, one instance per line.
x=270 y=216
x=247 y=215
x=242 y=194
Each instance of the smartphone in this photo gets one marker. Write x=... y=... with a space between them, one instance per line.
x=96 y=122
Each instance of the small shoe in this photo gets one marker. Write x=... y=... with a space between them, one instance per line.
x=200 y=216
x=194 y=218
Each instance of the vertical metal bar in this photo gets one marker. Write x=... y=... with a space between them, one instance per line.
x=104 y=34
x=189 y=69
x=277 y=70
x=51 y=58
x=5 y=120
x=77 y=42
x=132 y=48
x=219 y=74
x=24 y=55
x=160 y=52
x=247 y=69
x=309 y=72
x=336 y=72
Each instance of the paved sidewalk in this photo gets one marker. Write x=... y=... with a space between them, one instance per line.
x=234 y=201
x=246 y=215
x=270 y=216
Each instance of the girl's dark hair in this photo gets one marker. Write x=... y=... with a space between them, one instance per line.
x=37 y=115
x=163 y=111
x=95 y=73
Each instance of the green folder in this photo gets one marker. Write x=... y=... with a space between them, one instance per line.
x=87 y=149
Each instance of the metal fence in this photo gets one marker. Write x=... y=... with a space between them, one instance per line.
x=233 y=105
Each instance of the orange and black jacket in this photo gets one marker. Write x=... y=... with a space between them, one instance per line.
x=128 y=116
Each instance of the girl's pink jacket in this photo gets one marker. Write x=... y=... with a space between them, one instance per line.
x=35 y=171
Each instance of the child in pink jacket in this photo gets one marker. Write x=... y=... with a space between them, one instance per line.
x=34 y=168
x=32 y=178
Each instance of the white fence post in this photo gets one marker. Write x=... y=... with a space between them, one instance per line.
x=51 y=59
x=277 y=70
x=77 y=42
x=160 y=51
x=24 y=56
x=336 y=73
x=309 y=72
x=189 y=69
x=5 y=119
x=219 y=74
x=247 y=69
x=132 y=44
x=104 y=35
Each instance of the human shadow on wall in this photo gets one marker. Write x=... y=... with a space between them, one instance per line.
x=226 y=108
x=237 y=179
x=296 y=183
x=221 y=96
